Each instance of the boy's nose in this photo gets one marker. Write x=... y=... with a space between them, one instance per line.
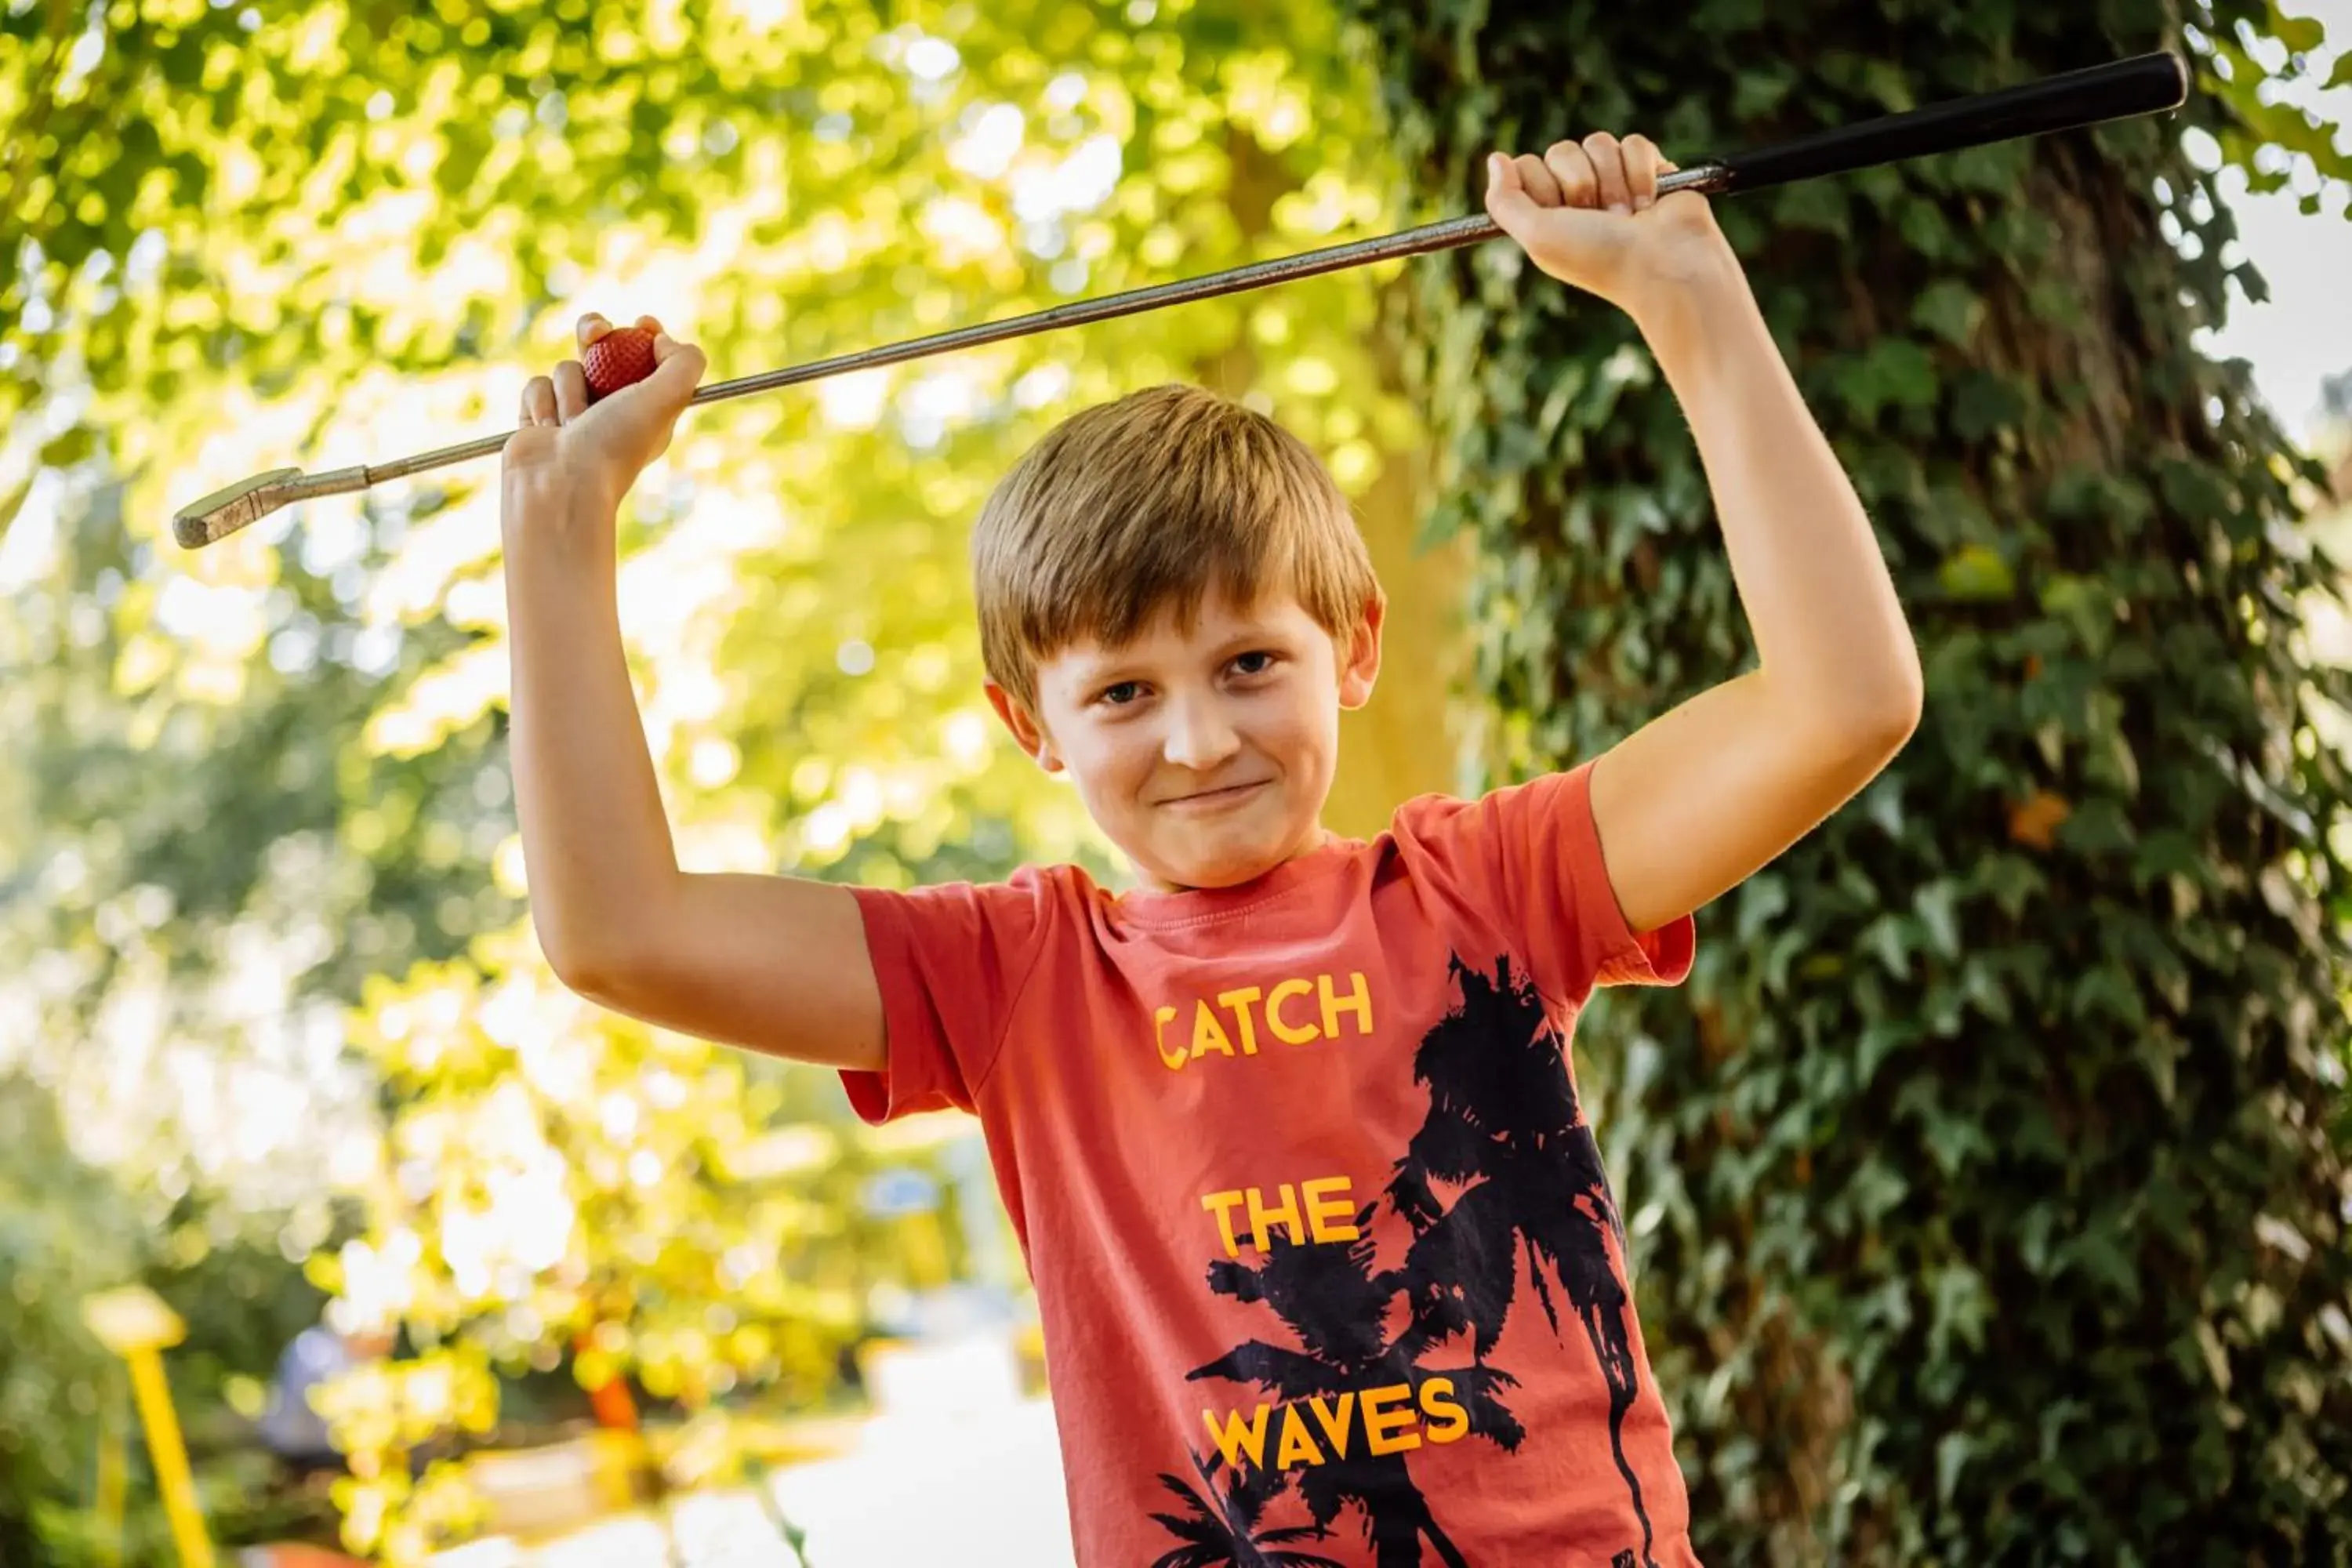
x=1199 y=738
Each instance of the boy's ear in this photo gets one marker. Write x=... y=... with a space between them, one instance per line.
x=1027 y=733
x=1360 y=656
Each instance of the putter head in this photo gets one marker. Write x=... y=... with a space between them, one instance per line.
x=225 y=512
x=227 y=509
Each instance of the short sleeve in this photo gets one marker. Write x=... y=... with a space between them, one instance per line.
x=950 y=961
x=1531 y=855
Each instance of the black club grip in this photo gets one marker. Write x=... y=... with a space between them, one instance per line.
x=2145 y=84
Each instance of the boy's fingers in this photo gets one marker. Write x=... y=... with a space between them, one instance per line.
x=1542 y=188
x=1609 y=169
x=571 y=391
x=1573 y=170
x=1641 y=169
x=647 y=324
x=592 y=327
x=539 y=401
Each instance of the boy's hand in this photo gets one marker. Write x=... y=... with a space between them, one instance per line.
x=1590 y=214
x=564 y=446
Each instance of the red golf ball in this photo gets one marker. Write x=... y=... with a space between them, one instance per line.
x=622 y=357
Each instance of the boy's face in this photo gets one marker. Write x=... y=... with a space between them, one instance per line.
x=1205 y=754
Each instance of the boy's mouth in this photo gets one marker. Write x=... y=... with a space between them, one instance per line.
x=1213 y=799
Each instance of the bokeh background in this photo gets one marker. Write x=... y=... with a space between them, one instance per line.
x=1987 y=1184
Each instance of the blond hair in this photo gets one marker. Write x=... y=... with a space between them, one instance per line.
x=1144 y=504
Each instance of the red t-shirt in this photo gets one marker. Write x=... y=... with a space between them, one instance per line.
x=1320 y=1232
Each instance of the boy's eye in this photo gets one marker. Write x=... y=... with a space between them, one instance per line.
x=1121 y=694
x=1258 y=661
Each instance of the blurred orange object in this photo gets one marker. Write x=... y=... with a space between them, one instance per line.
x=2035 y=820
x=614 y=1410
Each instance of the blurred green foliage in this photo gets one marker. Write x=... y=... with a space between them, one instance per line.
x=1989 y=1184
x=62 y=1234
x=265 y=814
x=69 y=1230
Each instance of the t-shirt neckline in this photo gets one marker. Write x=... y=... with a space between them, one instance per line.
x=1195 y=906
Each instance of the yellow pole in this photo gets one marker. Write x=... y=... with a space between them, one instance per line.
x=111 y=1477
x=170 y=1457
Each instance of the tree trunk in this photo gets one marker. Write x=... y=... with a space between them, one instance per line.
x=1402 y=743
x=1987 y=1180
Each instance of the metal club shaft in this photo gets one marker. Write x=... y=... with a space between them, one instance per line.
x=225 y=512
x=2144 y=84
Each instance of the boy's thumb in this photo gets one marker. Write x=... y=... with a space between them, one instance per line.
x=679 y=366
x=1507 y=198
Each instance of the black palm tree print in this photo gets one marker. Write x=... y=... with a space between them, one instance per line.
x=1505 y=1130
x=1335 y=1304
x=1222 y=1531
x=1504 y=1125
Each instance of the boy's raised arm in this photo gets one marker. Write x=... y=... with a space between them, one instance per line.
x=1692 y=804
x=775 y=964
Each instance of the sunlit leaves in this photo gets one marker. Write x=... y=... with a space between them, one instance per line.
x=378 y=1413
x=340 y=232
x=560 y=1185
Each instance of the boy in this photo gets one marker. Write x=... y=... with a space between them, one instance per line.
x=1328 y=1268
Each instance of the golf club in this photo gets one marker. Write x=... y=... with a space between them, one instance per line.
x=2144 y=84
